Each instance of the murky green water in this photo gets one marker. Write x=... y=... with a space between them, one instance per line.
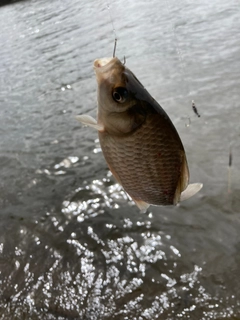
x=72 y=246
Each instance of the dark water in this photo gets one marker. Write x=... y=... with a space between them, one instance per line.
x=72 y=246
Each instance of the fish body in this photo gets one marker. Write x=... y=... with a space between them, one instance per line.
x=139 y=142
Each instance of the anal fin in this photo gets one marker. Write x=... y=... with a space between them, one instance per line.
x=142 y=205
x=190 y=191
x=90 y=121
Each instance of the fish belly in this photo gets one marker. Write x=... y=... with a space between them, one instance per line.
x=147 y=162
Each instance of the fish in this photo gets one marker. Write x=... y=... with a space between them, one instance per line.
x=140 y=144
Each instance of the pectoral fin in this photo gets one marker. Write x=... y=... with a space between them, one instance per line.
x=90 y=121
x=190 y=191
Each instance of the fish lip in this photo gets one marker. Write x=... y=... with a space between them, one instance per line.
x=104 y=64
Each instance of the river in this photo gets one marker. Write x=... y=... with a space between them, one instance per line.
x=72 y=245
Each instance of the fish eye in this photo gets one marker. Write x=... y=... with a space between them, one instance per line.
x=120 y=94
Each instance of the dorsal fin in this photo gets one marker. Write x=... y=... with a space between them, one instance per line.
x=183 y=179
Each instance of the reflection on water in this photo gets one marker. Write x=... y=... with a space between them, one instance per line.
x=72 y=244
x=93 y=260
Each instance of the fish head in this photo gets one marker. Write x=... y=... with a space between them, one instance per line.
x=113 y=95
x=122 y=99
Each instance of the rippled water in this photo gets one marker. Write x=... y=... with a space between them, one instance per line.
x=72 y=245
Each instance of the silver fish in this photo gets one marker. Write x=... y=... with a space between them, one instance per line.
x=139 y=142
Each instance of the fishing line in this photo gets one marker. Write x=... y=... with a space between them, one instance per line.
x=113 y=29
x=179 y=51
x=230 y=170
x=181 y=60
x=114 y=48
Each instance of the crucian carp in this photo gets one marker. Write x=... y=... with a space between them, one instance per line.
x=139 y=142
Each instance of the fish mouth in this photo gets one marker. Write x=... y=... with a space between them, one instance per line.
x=104 y=65
x=99 y=63
x=105 y=68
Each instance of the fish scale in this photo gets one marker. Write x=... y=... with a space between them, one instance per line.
x=138 y=167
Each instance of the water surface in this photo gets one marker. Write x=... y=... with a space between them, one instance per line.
x=72 y=246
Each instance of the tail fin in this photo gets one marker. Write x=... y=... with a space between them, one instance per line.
x=190 y=191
